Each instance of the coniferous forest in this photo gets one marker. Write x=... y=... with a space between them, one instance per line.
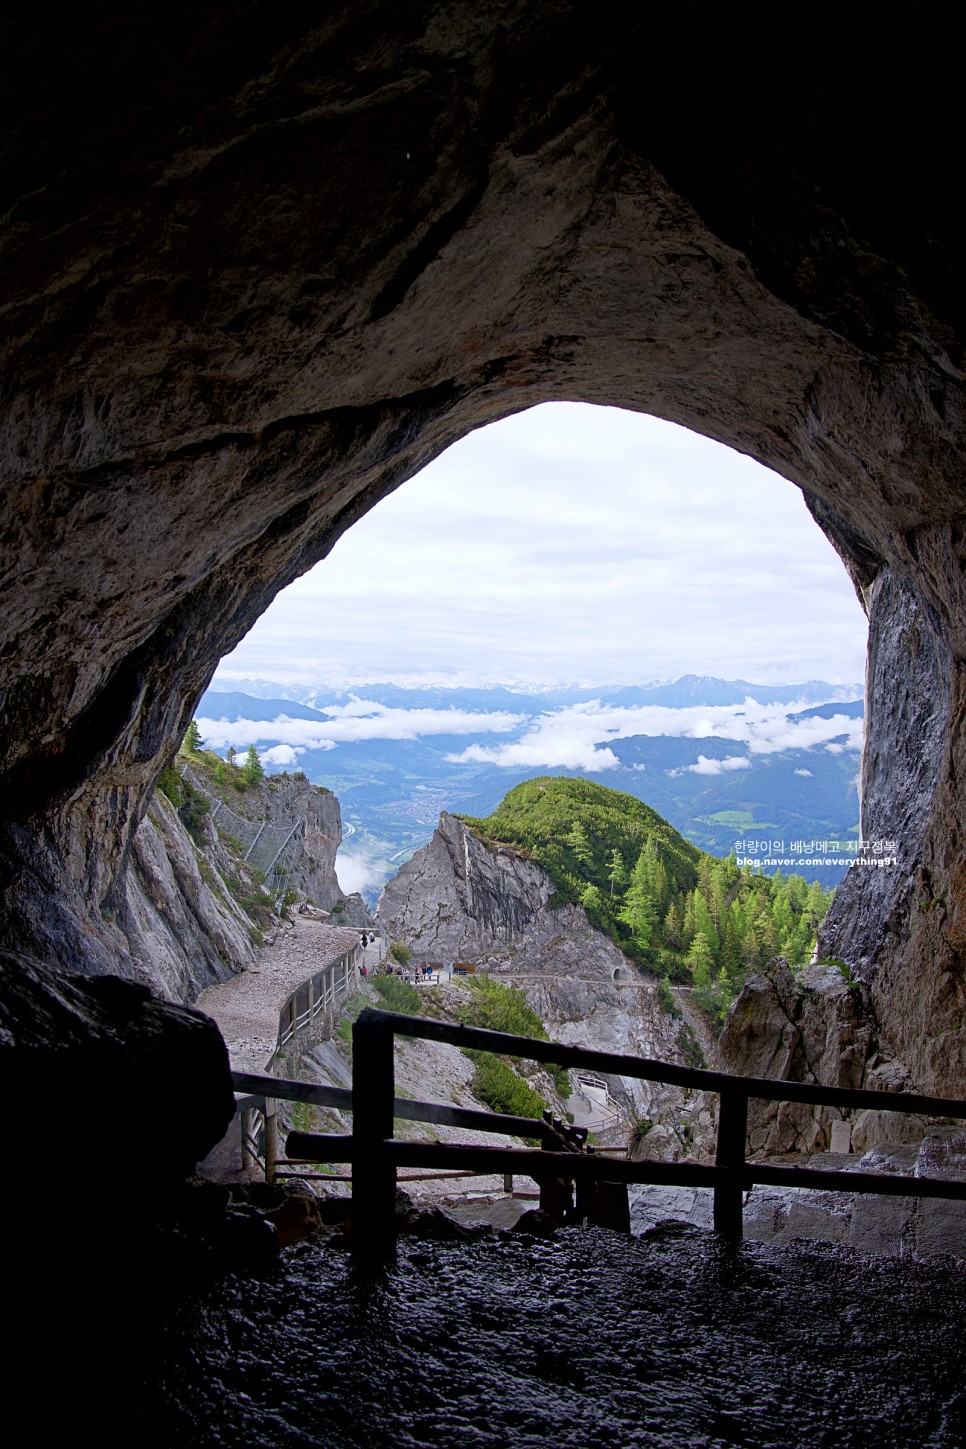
x=678 y=912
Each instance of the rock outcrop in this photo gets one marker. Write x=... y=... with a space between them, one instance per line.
x=459 y=899
x=108 y=1055
x=184 y=929
x=814 y=1027
x=193 y=907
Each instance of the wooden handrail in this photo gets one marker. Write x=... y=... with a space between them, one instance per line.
x=529 y=1162
x=650 y=1069
x=375 y=1155
x=285 y=1089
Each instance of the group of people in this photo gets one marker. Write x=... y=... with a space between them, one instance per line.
x=414 y=975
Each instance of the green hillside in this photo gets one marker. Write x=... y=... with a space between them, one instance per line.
x=678 y=911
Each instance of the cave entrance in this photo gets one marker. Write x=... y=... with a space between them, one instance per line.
x=506 y=612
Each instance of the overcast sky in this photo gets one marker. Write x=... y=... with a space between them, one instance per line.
x=571 y=544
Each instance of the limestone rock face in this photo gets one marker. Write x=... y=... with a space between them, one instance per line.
x=898 y=925
x=181 y=921
x=281 y=801
x=814 y=1028
x=181 y=934
x=455 y=898
x=262 y=265
x=458 y=899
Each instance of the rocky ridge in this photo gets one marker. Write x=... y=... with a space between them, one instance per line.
x=459 y=899
x=462 y=899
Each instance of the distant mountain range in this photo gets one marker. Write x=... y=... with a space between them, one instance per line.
x=690 y=689
x=786 y=781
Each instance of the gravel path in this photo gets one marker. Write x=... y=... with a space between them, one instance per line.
x=247 y=1007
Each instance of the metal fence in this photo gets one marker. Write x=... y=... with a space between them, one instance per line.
x=264 y=845
x=320 y=993
x=258 y=1109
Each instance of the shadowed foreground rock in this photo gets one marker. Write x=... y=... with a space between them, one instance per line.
x=583 y=1339
x=122 y=1088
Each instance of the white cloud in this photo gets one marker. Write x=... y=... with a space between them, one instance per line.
x=536 y=752
x=350 y=724
x=355 y=872
x=281 y=755
x=706 y=766
x=570 y=737
x=577 y=737
x=805 y=774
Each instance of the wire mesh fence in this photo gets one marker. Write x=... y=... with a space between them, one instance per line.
x=263 y=845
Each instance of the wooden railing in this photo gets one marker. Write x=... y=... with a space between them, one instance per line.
x=375 y=1155
x=316 y=995
x=258 y=1109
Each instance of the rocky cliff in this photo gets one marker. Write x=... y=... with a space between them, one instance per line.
x=458 y=899
x=818 y=1026
x=910 y=815
x=194 y=909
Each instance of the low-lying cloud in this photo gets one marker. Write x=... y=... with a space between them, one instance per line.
x=579 y=736
x=575 y=737
x=706 y=766
x=355 y=872
x=281 y=755
x=360 y=719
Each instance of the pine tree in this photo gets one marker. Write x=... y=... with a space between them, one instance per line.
x=704 y=925
x=252 y=770
x=699 y=960
x=671 y=932
x=591 y=899
x=580 y=845
x=724 y=995
x=231 y=756
x=192 y=740
x=616 y=870
x=639 y=910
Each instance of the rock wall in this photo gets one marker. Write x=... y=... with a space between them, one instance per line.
x=902 y=927
x=181 y=918
x=309 y=863
x=184 y=931
x=816 y=1027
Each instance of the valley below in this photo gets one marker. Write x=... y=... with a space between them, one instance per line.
x=726 y=762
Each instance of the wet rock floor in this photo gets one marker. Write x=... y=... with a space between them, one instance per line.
x=584 y=1339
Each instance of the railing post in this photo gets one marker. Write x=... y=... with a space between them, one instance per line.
x=556 y=1198
x=247 y=1130
x=271 y=1138
x=373 y=1176
x=730 y=1154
